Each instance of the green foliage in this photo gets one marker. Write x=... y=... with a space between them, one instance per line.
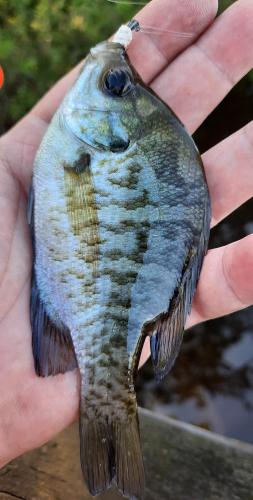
x=224 y=4
x=40 y=40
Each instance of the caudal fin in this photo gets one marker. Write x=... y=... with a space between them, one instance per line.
x=129 y=472
x=111 y=454
x=97 y=455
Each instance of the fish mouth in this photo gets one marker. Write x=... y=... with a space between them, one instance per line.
x=105 y=47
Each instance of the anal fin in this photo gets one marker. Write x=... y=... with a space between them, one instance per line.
x=52 y=346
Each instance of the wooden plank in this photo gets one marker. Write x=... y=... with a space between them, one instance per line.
x=182 y=463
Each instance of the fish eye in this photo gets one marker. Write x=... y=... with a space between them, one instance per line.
x=117 y=82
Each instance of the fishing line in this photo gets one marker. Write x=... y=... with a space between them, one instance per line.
x=150 y=30
x=134 y=25
x=146 y=29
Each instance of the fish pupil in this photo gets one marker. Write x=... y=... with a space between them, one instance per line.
x=117 y=82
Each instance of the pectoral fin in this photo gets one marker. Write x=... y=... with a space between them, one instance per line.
x=52 y=345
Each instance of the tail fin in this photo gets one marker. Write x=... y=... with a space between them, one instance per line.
x=97 y=455
x=111 y=454
x=129 y=473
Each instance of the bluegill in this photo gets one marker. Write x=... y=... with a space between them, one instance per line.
x=120 y=214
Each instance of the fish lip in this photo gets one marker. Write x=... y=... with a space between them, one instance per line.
x=106 y=47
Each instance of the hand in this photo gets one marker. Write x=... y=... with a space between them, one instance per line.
x=192 y=79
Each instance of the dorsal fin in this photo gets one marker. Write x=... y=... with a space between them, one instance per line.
x=166 y=334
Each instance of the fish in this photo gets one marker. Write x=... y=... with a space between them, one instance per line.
x=119 y=213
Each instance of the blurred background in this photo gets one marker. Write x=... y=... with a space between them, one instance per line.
x=211 y=384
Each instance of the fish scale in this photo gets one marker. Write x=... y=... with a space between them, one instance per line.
x=110 y=242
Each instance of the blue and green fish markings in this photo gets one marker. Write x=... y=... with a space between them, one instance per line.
x=119 y=212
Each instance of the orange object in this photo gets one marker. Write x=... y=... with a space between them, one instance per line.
x=1 y=77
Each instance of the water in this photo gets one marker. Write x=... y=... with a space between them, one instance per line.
x=211 y=384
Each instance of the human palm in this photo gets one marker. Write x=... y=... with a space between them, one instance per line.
x=192 y=77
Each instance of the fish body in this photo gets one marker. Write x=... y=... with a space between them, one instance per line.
x=120 y=215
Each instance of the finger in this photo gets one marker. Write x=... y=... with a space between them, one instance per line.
x=190 y=16
x=38 y=412
x=32 y=409
x=197 y=81
x=228 y=168
x=226 y=282
x=149 y=53
x=225 y=285
x=18 y=148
